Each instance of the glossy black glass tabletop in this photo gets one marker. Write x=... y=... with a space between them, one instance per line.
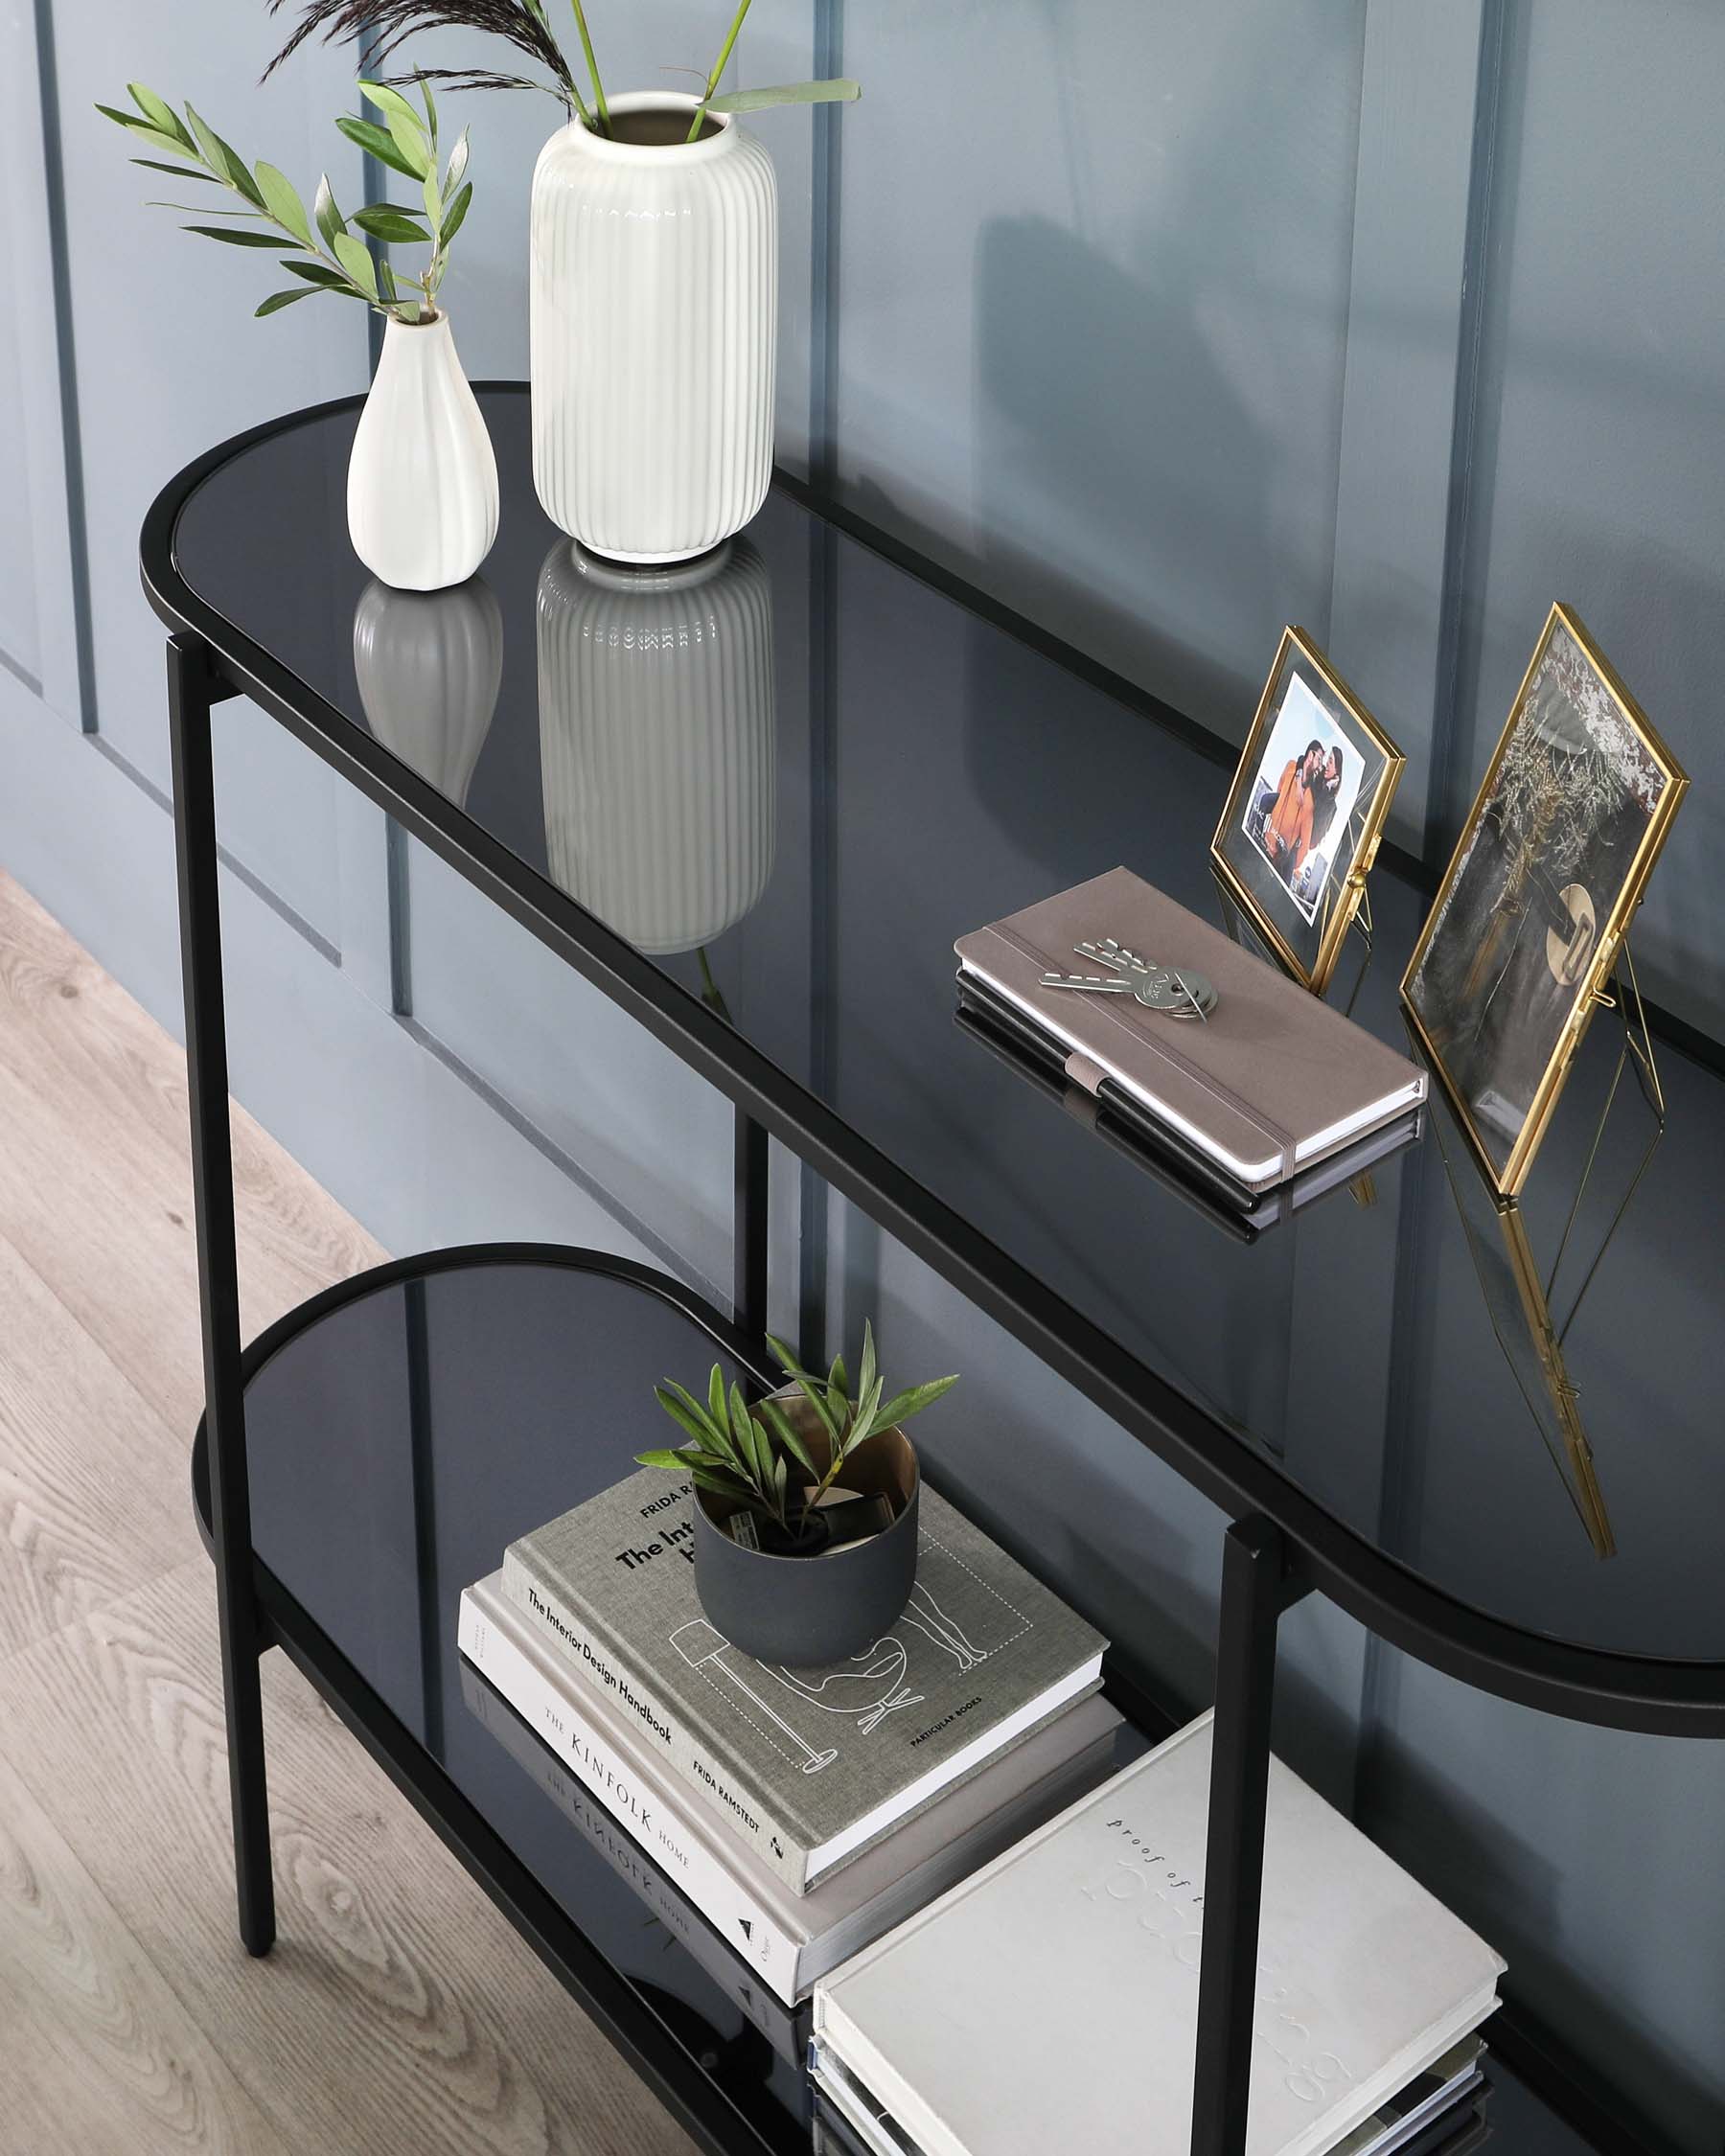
x=791 y=774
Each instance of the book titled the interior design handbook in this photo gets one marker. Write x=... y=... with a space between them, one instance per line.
x=1051 y=2000
x=787 y=1939
x=810 y=1766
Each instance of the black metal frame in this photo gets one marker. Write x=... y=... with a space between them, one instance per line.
x=1281 y=1545
x=194 y=686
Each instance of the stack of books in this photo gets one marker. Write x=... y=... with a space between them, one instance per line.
x=1051 y=2000
x=804 y=1811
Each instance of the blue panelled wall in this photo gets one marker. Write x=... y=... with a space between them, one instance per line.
x=1167 y=325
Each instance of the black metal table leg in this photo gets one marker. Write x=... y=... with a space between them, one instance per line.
x=1254 y=1592
x=749 y=1292
x=193 y=688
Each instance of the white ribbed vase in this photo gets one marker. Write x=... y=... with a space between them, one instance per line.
x=422 y=480
x=654 y=298
x=657 y=741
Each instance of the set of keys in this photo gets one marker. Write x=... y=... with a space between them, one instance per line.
x=1174 y=991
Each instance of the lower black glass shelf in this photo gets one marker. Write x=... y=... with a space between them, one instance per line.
x=401 y=1428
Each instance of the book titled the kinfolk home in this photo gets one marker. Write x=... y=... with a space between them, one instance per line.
x=809 y=1766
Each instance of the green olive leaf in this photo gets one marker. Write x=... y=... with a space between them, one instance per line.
x=679 y=1463
x=456 y=212
x=356 y=258
x=222 y=158
x=329 y=219
x=409 y=134
x=179 y=171
x=388 y=100
x=378 y=143
x=384 y=222
x=912 y=1402
x=238 y=239
x=281 y=199
x=152 y=137
x=785 y=1430
x=838 y=90
x=160 y=114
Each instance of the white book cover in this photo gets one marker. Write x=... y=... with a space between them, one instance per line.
x=1050 y=2000
x=789 y=1939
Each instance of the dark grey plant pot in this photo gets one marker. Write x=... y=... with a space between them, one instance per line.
x=802 y=1610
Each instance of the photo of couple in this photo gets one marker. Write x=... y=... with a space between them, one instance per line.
x=1303 y=793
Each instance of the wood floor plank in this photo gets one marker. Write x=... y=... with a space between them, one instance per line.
x=95 y=1174
x=98 y=2055
x=88 y=1039
x=92 y=1500
x=398 y=2012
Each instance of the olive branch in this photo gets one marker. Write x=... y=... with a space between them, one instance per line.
x=324 y=249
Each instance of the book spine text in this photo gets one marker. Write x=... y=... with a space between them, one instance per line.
x=602 y=1662
x=651 y=1825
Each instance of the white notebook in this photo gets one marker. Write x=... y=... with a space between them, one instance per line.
x=1050 y=2000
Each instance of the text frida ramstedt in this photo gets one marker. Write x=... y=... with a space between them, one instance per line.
x=724 y=1795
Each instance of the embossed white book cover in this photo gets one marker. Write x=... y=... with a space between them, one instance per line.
x=1052 y=2001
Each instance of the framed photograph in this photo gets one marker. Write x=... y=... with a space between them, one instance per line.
x=1527 y=923
x=1302 y=819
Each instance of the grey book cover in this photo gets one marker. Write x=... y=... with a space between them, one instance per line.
x=811 y=1766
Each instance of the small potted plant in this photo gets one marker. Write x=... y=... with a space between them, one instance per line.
x=423 y=479
x=805 y=1506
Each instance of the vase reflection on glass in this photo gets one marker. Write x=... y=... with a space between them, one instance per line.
x=657 y=739
x=429 y=665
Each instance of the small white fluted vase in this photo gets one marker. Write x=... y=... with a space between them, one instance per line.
x=656 y=746
x=429 y=665
x=654 y=305
x=422 y=480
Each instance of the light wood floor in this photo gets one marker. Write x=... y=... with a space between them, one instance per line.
x=399 y=2015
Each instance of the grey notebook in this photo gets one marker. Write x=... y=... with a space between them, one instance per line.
x=1268 y=1082
x=810 y=1766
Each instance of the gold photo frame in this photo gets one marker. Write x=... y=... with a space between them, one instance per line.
x=1573 y=809
x=1295 y=842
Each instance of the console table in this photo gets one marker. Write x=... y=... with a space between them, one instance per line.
x=947 y=764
